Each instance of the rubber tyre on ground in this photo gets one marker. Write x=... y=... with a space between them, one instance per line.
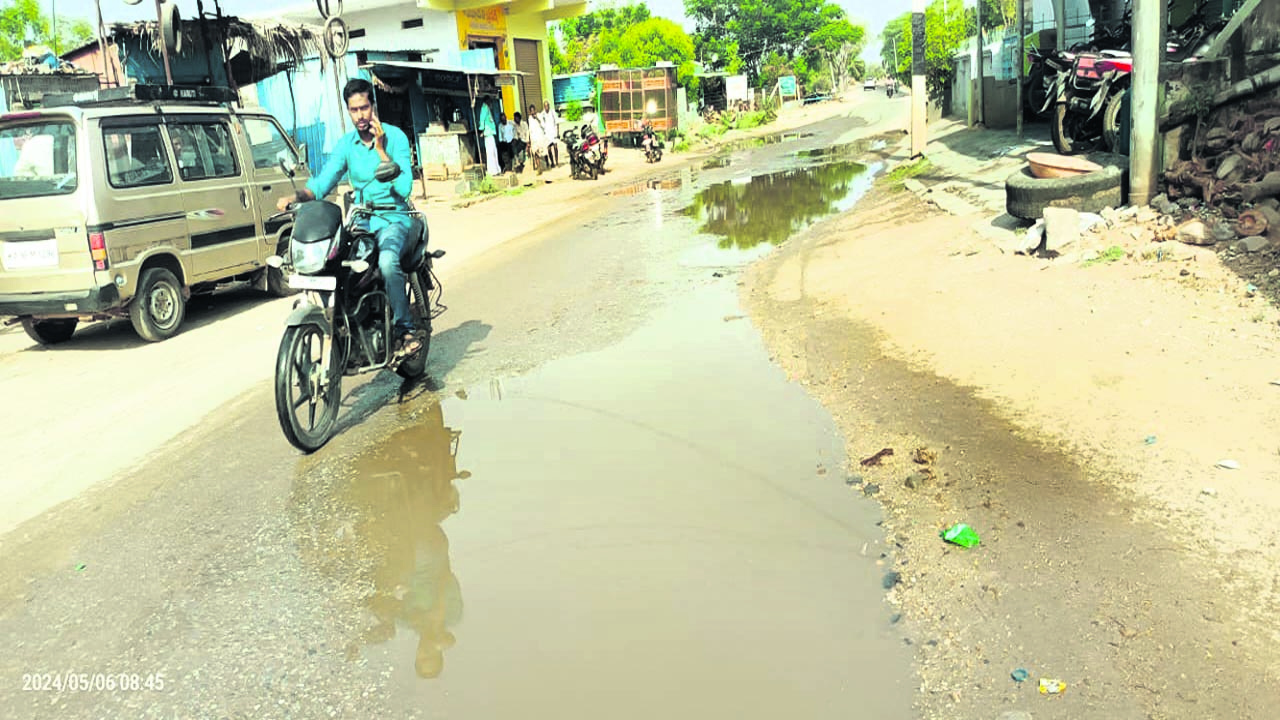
x=49 y=332
x=1026 y=196
x=416 y=366
x=295 y=364
x=158 y=307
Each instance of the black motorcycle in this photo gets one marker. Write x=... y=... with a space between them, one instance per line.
x=341 y=324
x=652 y=144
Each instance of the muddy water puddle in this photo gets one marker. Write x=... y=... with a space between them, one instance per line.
x=659 y=528
x=768 y=209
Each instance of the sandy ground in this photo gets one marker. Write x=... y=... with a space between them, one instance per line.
x=1078 y=414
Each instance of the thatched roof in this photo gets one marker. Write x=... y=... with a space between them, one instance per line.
x=265 y=42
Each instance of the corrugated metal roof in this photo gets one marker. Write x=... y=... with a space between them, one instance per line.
x=441 y=67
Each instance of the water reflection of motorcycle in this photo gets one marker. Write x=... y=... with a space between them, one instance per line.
x=400 y=494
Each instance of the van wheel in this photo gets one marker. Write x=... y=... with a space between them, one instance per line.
x=49 y=332
x=277 y=285
x=158 y=308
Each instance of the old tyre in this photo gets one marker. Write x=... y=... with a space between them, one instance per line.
x=49 y=332
x=1026 y=196
x=157 y=310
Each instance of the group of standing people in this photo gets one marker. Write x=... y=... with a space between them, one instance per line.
x=509 y=143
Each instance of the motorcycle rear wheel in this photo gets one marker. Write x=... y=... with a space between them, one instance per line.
x=1069 y=131
x=307 y=393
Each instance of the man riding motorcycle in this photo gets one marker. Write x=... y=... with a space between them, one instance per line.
x=357 y=155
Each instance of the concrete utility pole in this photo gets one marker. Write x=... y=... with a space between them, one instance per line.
x=1060 y=21
x=918 y=107
x=979 y=60
x=1019 y=25
x=1148 y=52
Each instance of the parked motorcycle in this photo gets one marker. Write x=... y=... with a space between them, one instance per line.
x=651 y=143
x=587 y=153
x=342 y=322
x=1087 y=102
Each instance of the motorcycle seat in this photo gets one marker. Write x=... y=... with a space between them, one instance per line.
x=417 y=230
x=1116 y=54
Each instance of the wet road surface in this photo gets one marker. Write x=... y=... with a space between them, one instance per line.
x=613 y=504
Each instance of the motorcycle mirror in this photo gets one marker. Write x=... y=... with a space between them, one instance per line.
x=386 y=172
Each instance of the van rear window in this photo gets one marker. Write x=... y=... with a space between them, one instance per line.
x=37 y=159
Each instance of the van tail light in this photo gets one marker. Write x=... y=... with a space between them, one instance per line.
x=98 y=250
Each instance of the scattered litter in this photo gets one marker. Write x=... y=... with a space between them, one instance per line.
x=853 y=480
x=871 y=488
x=895 y=618
x=717 y=274
x=1089 y=220
x=80 y=567
x=1229 y=464
x=891 y=579
x=877 y=458
x=1151 y=440
x=1003 y=151
x=1020 y=675
x=1251 y=289
x=1275 y=382
x=962 y=535
x=1209 y=492
x=924 y=456
x=1051 y=686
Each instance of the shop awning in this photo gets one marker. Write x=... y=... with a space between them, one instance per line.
x=441 y=67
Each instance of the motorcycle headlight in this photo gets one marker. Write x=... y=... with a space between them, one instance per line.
x=309 y=258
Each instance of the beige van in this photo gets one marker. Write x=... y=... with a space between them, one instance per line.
x=118 y=208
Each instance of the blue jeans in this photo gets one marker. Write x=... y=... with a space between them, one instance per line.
x=393 y=243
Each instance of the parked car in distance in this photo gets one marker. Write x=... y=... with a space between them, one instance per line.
x=126 y=201
x=869 y=84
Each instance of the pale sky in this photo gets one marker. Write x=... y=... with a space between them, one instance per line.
x=873 y=14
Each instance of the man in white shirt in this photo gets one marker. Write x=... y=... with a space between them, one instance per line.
x=537 y=140
x=506 y=136
x=551 y=126
x=520 y=145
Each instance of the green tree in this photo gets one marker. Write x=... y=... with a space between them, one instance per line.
x=947 y=26
x=760 y=28
x=23 y=22
x=652 y=41
x=584 y=42
x=836 y=43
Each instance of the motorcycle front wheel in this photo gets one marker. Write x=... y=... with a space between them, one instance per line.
x=1070 y=131
x=308 y=389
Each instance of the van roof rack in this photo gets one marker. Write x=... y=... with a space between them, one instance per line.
x=142 y=94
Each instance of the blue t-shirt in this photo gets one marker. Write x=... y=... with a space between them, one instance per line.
x=359 y=162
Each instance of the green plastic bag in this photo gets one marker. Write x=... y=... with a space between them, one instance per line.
x=962 y=535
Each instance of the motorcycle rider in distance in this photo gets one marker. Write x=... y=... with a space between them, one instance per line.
x=357 y=155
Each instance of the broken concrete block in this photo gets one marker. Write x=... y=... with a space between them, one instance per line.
x=915 y=186
x=1251 y=244
x=1062 y=228
x=1194 y=232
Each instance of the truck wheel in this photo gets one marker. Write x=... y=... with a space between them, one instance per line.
x=49 y=332
x=158 y=308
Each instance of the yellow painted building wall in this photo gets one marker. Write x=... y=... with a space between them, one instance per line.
x=531 y=26
x=490 y=22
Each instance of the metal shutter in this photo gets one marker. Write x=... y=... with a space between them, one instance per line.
x=527 y=61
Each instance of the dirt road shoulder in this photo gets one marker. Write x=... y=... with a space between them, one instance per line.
x=1077 y=413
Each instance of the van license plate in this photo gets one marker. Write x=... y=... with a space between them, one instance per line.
x=32 y=254
x=313 y=282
